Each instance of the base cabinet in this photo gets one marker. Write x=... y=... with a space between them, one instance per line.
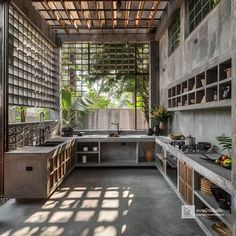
x=37 y=175
x=186 y=182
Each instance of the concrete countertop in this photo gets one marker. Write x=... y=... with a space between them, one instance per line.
x=121 y=138
x=217 y=174
x=42 y=149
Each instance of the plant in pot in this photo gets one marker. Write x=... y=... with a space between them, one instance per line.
x=73 y=108
x=161 y=115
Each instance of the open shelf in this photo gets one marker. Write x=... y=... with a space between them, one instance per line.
x=212 y=75
x=191 y=84
x=209 y=89
x=225 y=70
x=211 y=203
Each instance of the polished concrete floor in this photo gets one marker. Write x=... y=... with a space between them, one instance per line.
x=102 y=202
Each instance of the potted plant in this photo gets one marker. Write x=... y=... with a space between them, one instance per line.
x=72 y=110
x=160 y=114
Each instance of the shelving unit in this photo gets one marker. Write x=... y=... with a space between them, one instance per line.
x=90 y=156
x=211 y=88
x=210 y=202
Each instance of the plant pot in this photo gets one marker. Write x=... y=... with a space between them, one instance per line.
x=150 y=132
x=149 y=156
x=162 y=125
x=67 y=131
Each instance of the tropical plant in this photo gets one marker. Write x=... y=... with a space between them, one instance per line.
x=73 y=108
x=160 y=113
x=225 y=142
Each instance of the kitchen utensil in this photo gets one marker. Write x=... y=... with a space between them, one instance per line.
x=85 y=149
x=203 y=146
x=190 y=141
x=205 y=186
x=221 y=229
x=223 y=199
x=95 y=149
x=175 y=136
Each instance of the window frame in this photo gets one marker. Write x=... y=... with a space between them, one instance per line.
x=174 y=31
x=195 y=16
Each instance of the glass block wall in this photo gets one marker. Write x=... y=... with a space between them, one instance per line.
x=33 y=65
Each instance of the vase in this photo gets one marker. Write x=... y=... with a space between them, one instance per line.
x=162 y=126
x=149 y=156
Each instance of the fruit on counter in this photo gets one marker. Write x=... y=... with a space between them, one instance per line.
x=227 y=162
x=224 y=160
x=224 y=157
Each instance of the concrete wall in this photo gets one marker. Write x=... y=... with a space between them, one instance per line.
x=101 y=119
x=208 y=45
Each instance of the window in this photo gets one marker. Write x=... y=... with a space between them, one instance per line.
x=197 y=10
x=110 y=80
x=174 y=33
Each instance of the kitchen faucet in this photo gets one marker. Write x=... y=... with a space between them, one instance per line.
x=117 y=126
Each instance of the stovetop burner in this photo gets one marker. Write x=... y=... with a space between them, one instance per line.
x=180 y=144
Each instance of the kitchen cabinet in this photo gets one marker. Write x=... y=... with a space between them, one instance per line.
x=35 y=172
x=186 y=182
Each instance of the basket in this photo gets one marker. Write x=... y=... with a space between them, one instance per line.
x=176 y=136
x=205 y=186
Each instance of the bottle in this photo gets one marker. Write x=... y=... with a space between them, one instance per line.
x=215 y=96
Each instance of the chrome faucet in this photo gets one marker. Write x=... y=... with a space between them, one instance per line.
x=117 y=124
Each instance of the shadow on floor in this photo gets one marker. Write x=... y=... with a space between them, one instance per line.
x=102 y=202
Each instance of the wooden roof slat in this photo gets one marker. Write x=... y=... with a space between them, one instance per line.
x=139 y=13
x=127 y=14
x=98 y=13
x=79 y=15
x=155 y=6
x=70 y=16
x=57 y=16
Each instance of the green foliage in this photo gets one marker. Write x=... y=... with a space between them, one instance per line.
x=160 y=113
x=73 y=108
x=225 y=142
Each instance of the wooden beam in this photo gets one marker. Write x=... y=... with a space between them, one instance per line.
x=86 y=14
x=139 y=13
x=109 y=37
x=57 y=16
x=98 y=14
x=127 y=13
x=69 y=15
x=155 y=6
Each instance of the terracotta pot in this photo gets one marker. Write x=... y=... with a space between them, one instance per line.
x=149 y=155
x=162 y=125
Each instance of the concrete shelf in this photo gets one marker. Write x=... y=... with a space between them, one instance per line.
x=211 y=203
x=209 y=89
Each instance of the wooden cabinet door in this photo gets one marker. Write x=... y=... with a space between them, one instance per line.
x=186 y=182
x=189 y=185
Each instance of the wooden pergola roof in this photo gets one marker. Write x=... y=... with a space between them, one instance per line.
x=108 y=16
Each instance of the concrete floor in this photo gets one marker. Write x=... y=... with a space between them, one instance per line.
x=102 y=202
